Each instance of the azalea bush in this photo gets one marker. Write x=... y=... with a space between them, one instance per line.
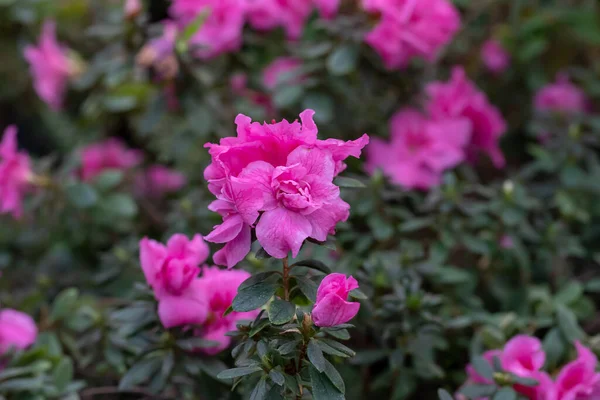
x=308 y=199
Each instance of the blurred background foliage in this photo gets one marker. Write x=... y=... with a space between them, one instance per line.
x=448 y=273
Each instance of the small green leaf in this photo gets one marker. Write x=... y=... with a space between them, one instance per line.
x=444 y=395
x=287 y=95
x=476 y=391
x=343 y=60
x=82 y=195
x=195 y=343
x=483 y=367
x=554 y=347
x=335 y=377
x=343 y=181
x=322 y=388
x=64 y=304
x=228 y=311
x=346 y=351
x=315 y=355
x=140 y=372
x=121 y=205
x=253 y=297
x=505 y=393
x=277 y=377
x=260 y=390
x=322 y=104
x=281 y=311
x=313 y=264
x=567 y=323
x=358 y=295
x=237 y=372
x=308 y=287
x=109 y=179
x=63 y=374
x=259 y=326
x=256 y=278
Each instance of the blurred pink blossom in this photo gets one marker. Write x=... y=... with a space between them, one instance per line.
x=219 y=288
x=420 y=150
x=283 y=171
x=110 y=154
x=495 y=57
x=158 y=180
x=132 y=8
x=15 y=174
x=291 y=15
x=172 y=272
x=327 y=8
x=274 y=73
x=578 y=380
x=460 y=98
x=220 y=33
x=50 y=66
x=507 y=242
x=411 y=28
x=17 y=330
x=561 y=96
x=159 y=52
x=332 y=306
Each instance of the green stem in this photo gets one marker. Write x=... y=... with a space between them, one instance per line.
x=286 y=278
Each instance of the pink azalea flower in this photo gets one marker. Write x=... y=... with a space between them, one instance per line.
x=282 y=171
x=219 y=288
x=411 y=28
x=222 y=29
x=159 y=52
x=332 y=307
x=158 y=181
x=495 y=57
x=328 y=8
x=523 y=356
x=132 y=8
x=110 y=154
x=274 y=73
x=562 y=96
x=17 y=330
x=50 y=66
x=291 y=15
x=460 y=98
x=15 y=174
x=420 y=150
x=172 y=272
x=578 y=380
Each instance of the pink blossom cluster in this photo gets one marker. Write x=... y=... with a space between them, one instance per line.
x=332 y=306
x=495 y=57
x=50 y=66
x=15 y=174
x=159 y=52
x=109 y=154
x=561 y=97
x=184 y=297
x=524 y=356
x=278 y=179
x=458 y=124
x=408 y=29
x=157 y=181
x=17 y=330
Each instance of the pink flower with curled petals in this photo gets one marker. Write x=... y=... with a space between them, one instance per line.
x=460 y=98
x=222 y=29
x=420 y=150
x=291 y=15
x=411 y=28
x=274 y=73
x=15 y=174
x=283 y=174
x=495 y=57
x=578 y=380
x=172 y=272
x=17 y=330
x=50 y=66
x=219 y=288
x=110 y=154
x=562 y=97
x=158 y=181
x=332 y=306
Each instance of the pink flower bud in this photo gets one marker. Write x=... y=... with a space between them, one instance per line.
x=17 y=330
x=332 y=307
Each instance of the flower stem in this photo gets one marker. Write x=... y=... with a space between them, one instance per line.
x=286 y=278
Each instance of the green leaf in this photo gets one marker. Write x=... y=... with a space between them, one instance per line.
x=259 y=326
x=315 y=355
x=335 y=377
x=238 y=372
x=140 y=372
x=358 y=295
x=195 y=343
x=343 y=60
x=567 y=323
x=277 y=377
x=322 y=388
x=119 y=104
x=444 y=395
x=256 y=278
x=505 y=393
x=308 y=287
x=341 y=334
x=63 y=374
x=483 y=367
x=313 y=264
x=109 y=179
x=343 y=181
x=366 y=357
x=322 y=104
x=554 y=347
x=82 y=195
x=337 y=346
x=22 y=385
x=64 y=304
x=281 y=311
x=253 y=297
x=476 y=391
x=287 y=95
x=36 y=368
x=570 y=293
x=120 y=204
x=260 y=390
